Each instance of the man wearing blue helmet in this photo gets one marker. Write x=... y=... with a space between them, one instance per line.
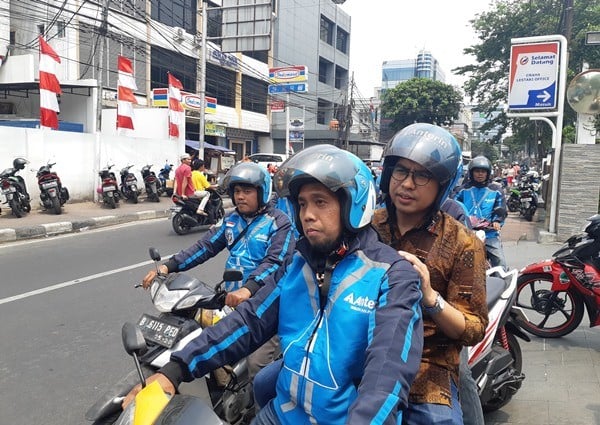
x=346 y=310
x=420 y=165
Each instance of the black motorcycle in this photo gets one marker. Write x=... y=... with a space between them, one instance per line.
x=164 y=177
x=14 y=188
x=151 y=182
x=108 y=187
x=184 y=216
x=528 y=199
x=129 y=184
x=52 y=193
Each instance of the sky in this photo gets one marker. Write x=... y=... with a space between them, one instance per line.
x=398 y=29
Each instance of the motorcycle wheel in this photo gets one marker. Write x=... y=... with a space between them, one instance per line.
x=513 y=204
x=134 y=197
x=16 y=208
x=529 y=214
x=179 y=226
x=550 y=314
x=56 y=208
x=506 y=392
x=110 y=201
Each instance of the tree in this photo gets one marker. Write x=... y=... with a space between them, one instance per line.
x=488 y=76
x=421 y=100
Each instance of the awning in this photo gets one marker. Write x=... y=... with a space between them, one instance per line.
x=193 y=144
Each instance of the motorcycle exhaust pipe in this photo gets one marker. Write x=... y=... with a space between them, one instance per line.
x=189 y=220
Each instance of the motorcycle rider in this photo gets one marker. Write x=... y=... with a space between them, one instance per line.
x=484 y=199
x=260 y=240
x=420 y=165
x=201 y=185
x=350 y=298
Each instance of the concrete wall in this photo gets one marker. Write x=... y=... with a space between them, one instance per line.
x=578 y=188
x=79 y=156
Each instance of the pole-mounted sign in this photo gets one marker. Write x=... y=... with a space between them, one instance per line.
x=533 y=76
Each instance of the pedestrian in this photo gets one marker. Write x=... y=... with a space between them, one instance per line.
x=183 y=186
x=484 y=200
x=346 y=310
x=419 y=171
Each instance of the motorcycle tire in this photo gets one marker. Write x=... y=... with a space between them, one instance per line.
x=16 y=208
x=134 y=197
x=529 y=214
x=513 y=204
x=110 y=201
x=506 y=392
x=540 y=303
x=179 y=226
x=56 y=208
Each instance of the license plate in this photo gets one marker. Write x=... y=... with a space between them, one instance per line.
x=526 y=199
x=108 y=188
x=158 y=331
x=175 y=209
x=48 y=185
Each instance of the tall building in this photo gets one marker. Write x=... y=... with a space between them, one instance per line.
x=423 y=66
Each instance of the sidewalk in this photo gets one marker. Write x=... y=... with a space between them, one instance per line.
x=81 y=216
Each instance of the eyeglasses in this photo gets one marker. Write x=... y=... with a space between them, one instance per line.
x=420 y=178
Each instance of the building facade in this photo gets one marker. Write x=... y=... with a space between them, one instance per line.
x=423 y=66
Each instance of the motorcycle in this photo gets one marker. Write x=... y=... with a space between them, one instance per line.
x=52 y=193
x=555 y=293
x=186 y=307
x=129 y=184
x=164 y=177
x=513 y=202
x=108 y=187
x=496 y=362
x=151 y=182
x=14 y=188
x=184 y=217
x=528 y=199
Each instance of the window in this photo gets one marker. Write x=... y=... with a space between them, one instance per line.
x=254 y=94
x=41 y=29
x=324 y=70
x=341 y=42
x=183 y=67
x=60 y=29
x=220 y=83
x=175 y=13
x=326 y=30
x=133 y=8
x=341 y=77
x=323 y=108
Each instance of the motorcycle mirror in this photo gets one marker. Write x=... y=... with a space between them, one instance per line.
x=154 y=254
x=232 y=275
x=133 y=339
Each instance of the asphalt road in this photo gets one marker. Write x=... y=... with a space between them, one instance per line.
x=62 y=304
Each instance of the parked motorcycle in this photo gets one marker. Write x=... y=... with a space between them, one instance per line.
x=496 y=362
x=109 y=187
x=186 y=305
x=164 y=176
x=151 y=182
x=555 y=293
x=528 y=198
x=52 y=193
x=513 y=202
x=184 y=217
x=14 y=188
x=129 y=184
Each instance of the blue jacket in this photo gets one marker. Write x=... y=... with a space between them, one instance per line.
x=351 y=362
x=261 y=253
x=484 y=202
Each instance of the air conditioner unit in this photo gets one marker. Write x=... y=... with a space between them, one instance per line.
x=178 y=34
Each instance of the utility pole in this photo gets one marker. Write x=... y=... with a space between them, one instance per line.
x=348 y=120
x=102 y=31
x=202 y=88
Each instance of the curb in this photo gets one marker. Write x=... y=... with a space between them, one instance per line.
x=53 y=229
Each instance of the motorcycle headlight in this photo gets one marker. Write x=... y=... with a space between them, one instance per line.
x=163 y=299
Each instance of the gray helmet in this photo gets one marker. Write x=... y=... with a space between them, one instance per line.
x=430 y=146
x=339 y=171
x=19 y=163
x=482 y=163
x=249 y=173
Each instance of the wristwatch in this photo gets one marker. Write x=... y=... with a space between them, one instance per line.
x=436 y=308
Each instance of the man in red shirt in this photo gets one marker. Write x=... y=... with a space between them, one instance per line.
x=183 y=178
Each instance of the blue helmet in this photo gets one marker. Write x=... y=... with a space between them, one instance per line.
x=339 y=171
x=430 y=146
x=249 y=173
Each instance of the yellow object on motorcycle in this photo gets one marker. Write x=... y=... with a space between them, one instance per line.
x=149 y=402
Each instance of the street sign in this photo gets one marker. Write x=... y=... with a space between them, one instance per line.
x=533 y=76
x=288 y=74
x=288 y=88
x=278 y=106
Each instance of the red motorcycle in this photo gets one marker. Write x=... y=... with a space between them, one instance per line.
x=52 y=193
x=553 y=294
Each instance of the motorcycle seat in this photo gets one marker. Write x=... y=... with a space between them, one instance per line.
x=495 y=286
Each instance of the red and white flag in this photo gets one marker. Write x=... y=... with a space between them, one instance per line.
x=175 y=108
x=49 y=86
x=125 y=97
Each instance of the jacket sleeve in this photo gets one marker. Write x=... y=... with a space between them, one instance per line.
x=499 y=213
x=394 y=351
x=210 y=245
x=279 y=253
x=234 y=337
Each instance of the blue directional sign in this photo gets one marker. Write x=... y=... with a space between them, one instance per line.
x=288 y=88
